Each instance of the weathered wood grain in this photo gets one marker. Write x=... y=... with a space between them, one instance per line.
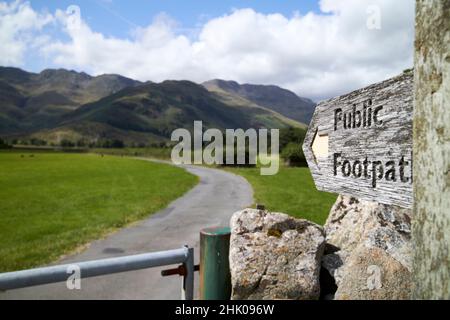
x=388 y=140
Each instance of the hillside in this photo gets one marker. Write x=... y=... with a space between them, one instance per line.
x=152 y=111
x=81 y=88
x=57 y=105
x=272 y=97
x=31 y=101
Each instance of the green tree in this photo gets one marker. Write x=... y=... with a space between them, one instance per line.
x=293 y=155
x=38 y=142
x=291 y=135
x=117 y=144
x=4 y=144
x=66 y=143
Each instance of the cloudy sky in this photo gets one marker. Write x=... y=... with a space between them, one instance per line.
x=317 y=49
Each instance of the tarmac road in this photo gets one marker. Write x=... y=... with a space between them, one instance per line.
x=211 y=203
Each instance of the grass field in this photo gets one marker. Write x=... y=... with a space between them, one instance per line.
x=291 y=191
x=53 y=203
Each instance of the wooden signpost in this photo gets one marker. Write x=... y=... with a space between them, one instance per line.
x=360 y=144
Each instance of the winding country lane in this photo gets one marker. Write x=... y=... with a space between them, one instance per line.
x=211 y=203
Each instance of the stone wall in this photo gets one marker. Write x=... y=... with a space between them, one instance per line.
x=274 y=256
x=369 y=250
x=364 y=251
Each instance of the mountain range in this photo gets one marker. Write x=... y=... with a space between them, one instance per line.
x=60 y=104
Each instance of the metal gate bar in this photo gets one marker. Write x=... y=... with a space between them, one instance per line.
x=40 y=276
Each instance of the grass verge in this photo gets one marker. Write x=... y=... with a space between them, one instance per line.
x=291 y=191
x=53 y=203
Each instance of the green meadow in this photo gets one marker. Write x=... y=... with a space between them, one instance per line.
x=291 y=191
x=53 y=203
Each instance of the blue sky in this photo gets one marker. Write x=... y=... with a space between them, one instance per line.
x=116 y=17
x=318 y=49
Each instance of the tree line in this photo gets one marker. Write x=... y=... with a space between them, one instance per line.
x=291 y=140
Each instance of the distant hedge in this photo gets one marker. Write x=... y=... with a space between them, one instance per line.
x=4 y=144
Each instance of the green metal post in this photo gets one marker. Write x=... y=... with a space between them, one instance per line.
x=215 y=277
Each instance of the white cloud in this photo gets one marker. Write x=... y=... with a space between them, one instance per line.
x=315 y=55
x=18 y=24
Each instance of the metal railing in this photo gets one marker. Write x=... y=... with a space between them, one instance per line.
x=59 y=273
